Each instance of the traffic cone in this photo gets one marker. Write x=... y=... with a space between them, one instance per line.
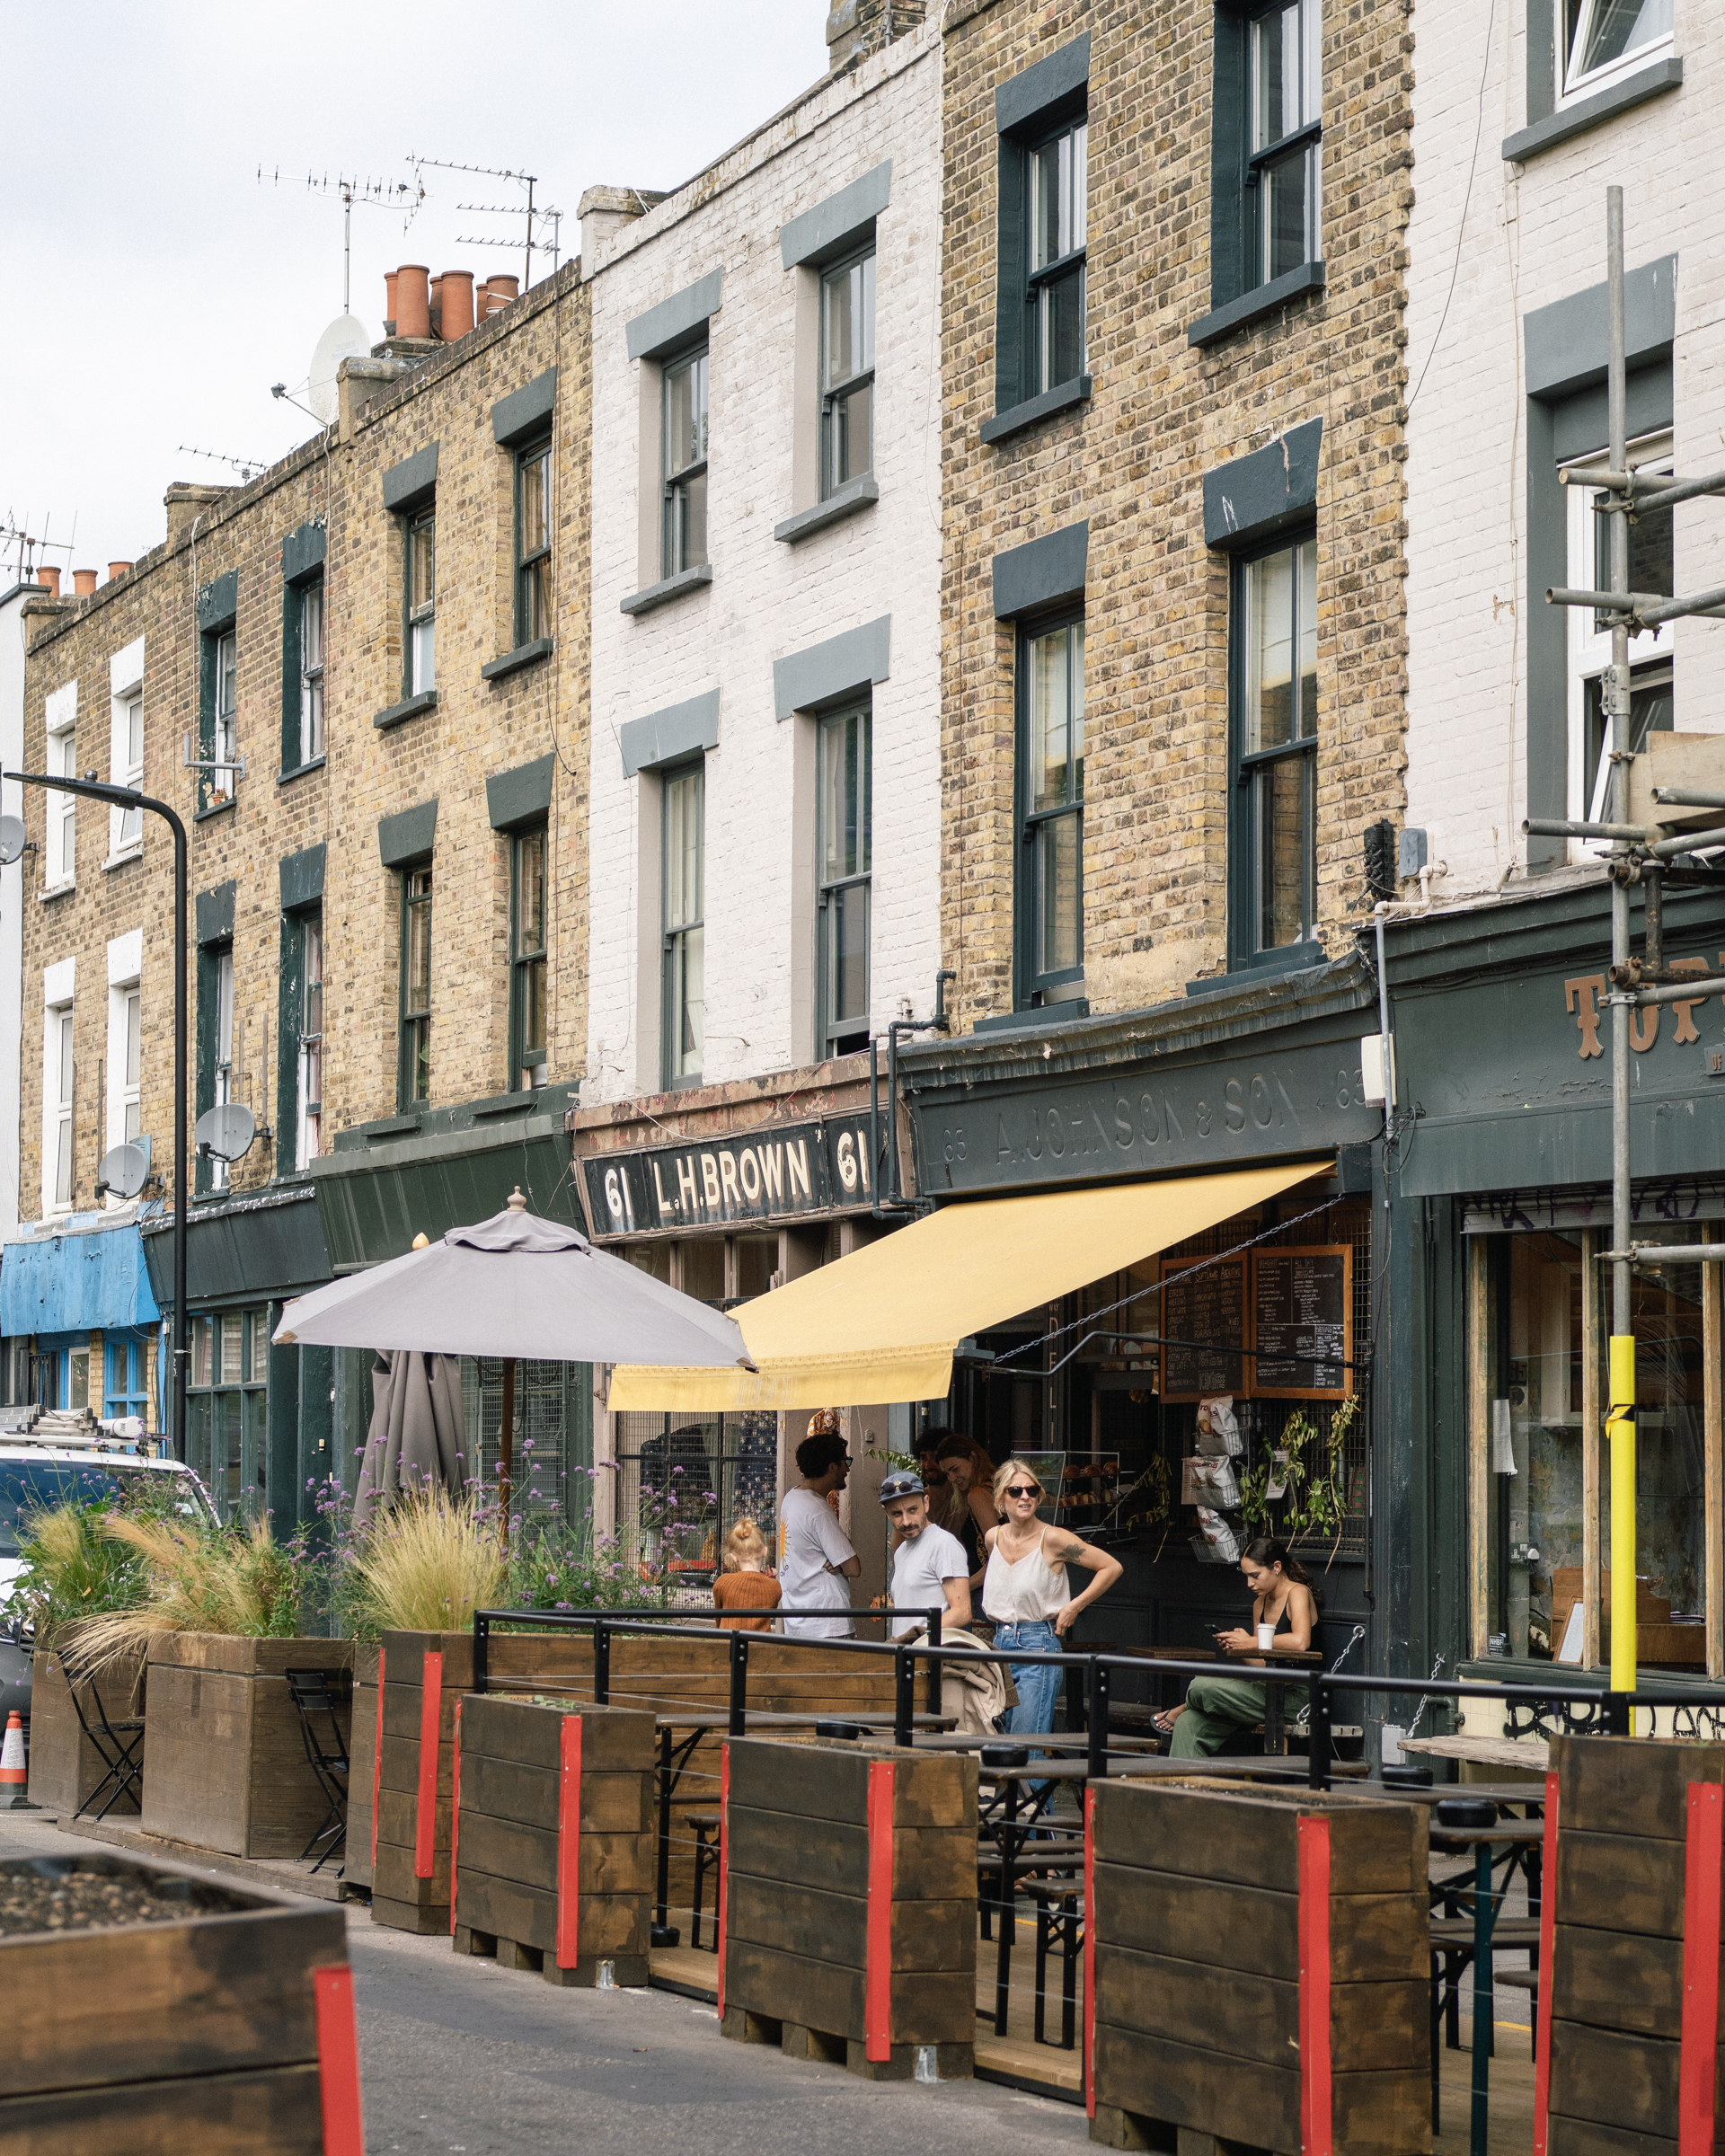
x=14 y=1776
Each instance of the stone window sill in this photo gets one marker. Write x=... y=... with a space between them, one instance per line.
x=667 y=590
x=1042 y=1014
x=299 y=770
x=512 y=662
x=1593 y=111
x=1066 y=397
x=1254 y=305
x=215 y=808
x=50 y=891
x=119 y=859
x=410 y=707
x=1273 y=965
x=854 y=495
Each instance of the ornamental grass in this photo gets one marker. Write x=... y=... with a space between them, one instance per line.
x=426 y=1565
x=238 y=1582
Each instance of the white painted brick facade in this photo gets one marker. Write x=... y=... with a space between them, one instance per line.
x=1535 y=233
x=768 y=599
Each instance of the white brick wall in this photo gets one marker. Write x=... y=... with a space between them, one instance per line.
x=768 y=599
x=1534 y=233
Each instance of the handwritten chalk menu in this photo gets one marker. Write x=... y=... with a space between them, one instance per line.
x=1208 y=1310
x=1301 y=1308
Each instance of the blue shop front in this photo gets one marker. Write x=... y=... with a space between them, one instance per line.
x=81 y=1324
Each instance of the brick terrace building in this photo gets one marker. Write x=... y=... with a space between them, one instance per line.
x=388 y=630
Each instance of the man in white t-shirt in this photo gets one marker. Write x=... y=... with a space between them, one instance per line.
x=816 y=1559
x=929 y=1566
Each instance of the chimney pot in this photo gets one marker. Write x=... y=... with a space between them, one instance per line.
x=457 y=304
x=503 y=290
x=391 y=278
x=83 y=582
x=412 y=301
x=116 y=569
x=51 y=578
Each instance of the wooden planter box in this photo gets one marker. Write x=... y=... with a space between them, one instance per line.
x=166 y=2039
x=65 y=1766
x=362 y=1750
x=1204 y=1903
x=553 y=1838
x=410 y=1879
x=849 y=1930
x=1634 y=1927
x=227 y=1756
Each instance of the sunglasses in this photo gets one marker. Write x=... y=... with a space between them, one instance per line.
x=1023 y=1489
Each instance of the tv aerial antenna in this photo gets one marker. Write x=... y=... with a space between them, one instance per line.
x=353 y=192
x=507 y=209
x=16 y=539
x=248 y=467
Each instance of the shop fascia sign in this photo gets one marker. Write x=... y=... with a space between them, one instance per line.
x=782 y=1171
x=1222 y=1112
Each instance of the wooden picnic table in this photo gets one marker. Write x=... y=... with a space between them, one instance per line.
x=1531 y=1756
x=1525 y=1835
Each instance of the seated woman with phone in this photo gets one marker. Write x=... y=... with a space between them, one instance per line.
x=1285 y=1608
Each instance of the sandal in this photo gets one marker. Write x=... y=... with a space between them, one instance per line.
x=1163 y=1723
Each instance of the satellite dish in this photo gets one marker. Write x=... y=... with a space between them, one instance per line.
x=347 y=337
x=126 y=1169
x=12 y=840
x=225 y=1132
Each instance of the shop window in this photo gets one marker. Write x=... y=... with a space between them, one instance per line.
x=127 y=1391
x=842 y=904
x=413 y=1085
x=684 y=935
x=701 y=1268
x=77 y=1377
x=1652 y=568
x=847 y=372
x=1544 y=1449
x=533 y=543
x=682 y=1479
x=1273 y=853
x=1051 y=812
x=528 y=960
x=754 y=1259
x=683 y=390
x=654 y=1258
x=227 y=1408
x=420 y=589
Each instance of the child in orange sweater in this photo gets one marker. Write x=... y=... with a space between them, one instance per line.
x=745 y=1584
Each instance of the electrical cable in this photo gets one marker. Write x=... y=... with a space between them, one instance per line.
x=1454 y=267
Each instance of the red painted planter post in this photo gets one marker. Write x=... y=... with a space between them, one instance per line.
x=1698 y=2055
x=377 y=1760
x=877 y=1976
x=1316 y=2107
x=569 y=1845
x=337 y=2062
x=1547 y=1974
x=425 y=1820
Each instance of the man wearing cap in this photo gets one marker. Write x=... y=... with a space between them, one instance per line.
x=929 y=1566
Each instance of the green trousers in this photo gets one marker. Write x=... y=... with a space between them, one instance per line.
x=1216 y=1708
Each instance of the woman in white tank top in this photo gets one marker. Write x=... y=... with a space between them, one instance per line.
x=1026 y=1595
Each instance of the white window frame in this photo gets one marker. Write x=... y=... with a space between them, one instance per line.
x=224 y=723
x=308 y=1135
x=125 y=752
x=310 y=675
x=1589 y=647
x=121 y=1109
x=61 y=719
x=1574 y=85
x=59 y=984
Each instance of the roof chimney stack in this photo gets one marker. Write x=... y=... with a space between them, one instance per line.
x=83 y=582
x=116 y=569
x=50 y=577
x=457 y=304
x=412 y=301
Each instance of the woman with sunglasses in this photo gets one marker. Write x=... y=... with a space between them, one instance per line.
x=1026 y=1592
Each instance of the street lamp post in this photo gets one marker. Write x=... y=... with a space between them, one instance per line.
x=127 y=797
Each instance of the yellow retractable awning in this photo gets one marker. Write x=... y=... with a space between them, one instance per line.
x=881 y=1324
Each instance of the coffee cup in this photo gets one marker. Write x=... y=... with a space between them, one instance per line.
x=1266 y=1638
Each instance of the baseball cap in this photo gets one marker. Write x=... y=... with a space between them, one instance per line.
x=901 y=1483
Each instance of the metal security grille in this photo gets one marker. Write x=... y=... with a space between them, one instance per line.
x=684 y=1480
x=548 y=1468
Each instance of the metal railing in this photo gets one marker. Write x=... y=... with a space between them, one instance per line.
x=1321 y=1689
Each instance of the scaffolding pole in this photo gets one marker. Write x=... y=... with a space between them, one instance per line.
x=1647 y=855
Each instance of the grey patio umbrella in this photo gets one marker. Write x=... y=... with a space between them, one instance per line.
x=416 y=1438
x=515 y=1286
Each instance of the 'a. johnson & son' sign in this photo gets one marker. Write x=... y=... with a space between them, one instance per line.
x=780 y=1173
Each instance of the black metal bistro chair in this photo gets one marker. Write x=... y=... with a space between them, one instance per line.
x=317 y=1693
x=119 y=1742
x=706 y=1859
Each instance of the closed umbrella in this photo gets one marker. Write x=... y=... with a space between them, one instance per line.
x=515 y=1286
x=416 y=1437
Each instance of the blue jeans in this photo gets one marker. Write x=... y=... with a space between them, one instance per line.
x=1037 y=1683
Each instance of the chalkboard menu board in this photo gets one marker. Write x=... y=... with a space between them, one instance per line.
x=1301 y=1308
x=1207 y=1308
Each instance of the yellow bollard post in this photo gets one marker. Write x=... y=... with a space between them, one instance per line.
x=1620 y=1428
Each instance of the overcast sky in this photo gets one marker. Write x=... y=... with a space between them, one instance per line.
x=156 y=290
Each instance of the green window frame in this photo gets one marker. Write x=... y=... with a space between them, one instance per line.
x=1273 y=743
x=420 y=603
x=846 y=370
x=413 y=1065
x=227 y=1408
x=682 y=925
x=215 y=1049
x=533 y=543
x=528 y=958
x=1267 y=144
x=844 y=754
x=1050 y=809
x=684 y=447
x=1055 y=222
